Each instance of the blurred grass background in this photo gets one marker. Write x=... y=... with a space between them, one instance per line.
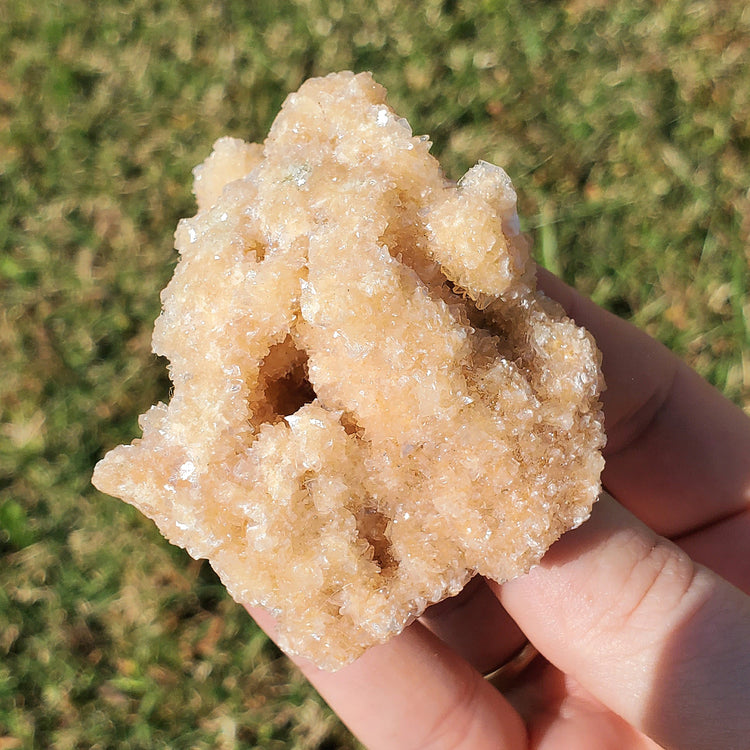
x=625 y=126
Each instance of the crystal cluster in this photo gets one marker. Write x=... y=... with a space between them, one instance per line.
x=372 y=403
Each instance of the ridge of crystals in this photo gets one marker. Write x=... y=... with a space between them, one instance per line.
x=372 y=403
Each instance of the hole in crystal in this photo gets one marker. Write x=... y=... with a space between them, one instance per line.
x=350 y=424
x=457 y=290
x=406 y=240
x=372 y=526
x=283 y=378
x=289 y=393
x=257 y=249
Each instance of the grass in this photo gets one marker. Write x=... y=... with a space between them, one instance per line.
x=626 y=128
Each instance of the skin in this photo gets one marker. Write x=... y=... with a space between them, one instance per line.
x=641 y=615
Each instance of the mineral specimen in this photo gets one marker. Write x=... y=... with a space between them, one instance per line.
x=372 y=403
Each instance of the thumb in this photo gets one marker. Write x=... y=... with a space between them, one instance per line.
x=657 y=638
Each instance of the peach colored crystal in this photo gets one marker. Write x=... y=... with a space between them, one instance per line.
x=371 y=401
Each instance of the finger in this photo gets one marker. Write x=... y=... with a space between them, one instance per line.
x=656 y=638
x=561 y=714
x=476 y=626
x=677 y=452
x=723 y=547
x=414 y=692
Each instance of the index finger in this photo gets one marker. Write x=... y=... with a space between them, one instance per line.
x=414 y=692
x=678 y=453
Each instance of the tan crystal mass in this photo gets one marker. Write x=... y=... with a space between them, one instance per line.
x=371 y=401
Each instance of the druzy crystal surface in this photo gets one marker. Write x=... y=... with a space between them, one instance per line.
x=371 y=403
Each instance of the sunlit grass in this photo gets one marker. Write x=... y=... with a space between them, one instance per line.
x=626 y=128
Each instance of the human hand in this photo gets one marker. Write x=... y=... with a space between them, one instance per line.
x=643 y=640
